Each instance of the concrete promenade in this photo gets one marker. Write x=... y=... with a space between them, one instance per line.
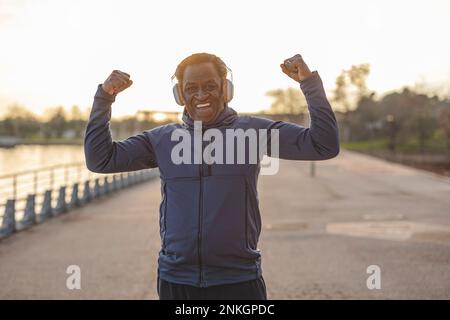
x=319 y=236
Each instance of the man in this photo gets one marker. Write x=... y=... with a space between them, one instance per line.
x=209 y=216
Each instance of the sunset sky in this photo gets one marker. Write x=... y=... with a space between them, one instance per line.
x=55 y=52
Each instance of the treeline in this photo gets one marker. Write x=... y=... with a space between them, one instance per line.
x=413 y=119
x=54 y=123
x=407 y=120
x=57 y=123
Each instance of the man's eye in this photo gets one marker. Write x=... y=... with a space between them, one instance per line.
x=211 y=87
x=191 y=89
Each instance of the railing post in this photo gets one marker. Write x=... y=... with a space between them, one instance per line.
x=46 y=210
x=113 y=184
x=74 y=201
x=106 y=189
x=29 y=216
x=123 y=180
x=9 y=219
x=116 y=183
x=120 y=181
x=97 y=192
x=61 y=206
x=86 y=192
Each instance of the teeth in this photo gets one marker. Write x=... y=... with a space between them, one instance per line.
x=203 y=105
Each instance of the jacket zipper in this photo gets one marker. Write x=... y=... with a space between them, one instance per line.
x=200 y=214
x=200 y=217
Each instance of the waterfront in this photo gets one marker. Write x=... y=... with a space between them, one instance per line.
x=28 y=157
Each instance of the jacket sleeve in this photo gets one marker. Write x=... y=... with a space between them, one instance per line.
x=102 y=154
x=318 y=142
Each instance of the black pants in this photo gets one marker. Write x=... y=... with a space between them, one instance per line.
x=249 y=290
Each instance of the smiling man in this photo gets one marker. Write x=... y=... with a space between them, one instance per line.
x=209 y=214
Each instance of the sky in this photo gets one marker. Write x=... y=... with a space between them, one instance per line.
x=56 y=52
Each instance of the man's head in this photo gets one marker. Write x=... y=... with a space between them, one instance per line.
x=201 y=78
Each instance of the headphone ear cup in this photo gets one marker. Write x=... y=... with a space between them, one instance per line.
x=229 y=91
x=177 y=95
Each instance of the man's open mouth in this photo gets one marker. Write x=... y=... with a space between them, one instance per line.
x=203 y=105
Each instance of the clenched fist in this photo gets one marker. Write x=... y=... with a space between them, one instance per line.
x=117 y=82
x=296 y=68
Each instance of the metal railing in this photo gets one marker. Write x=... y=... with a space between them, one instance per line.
x=33 y=196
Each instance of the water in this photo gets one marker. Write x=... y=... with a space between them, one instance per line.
x=27 y=157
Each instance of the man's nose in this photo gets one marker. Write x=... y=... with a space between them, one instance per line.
x=201 y=94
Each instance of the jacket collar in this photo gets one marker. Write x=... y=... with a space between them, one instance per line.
x=224 y=119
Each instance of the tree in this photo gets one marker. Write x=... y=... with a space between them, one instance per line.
x=56 y=122
x=287 y=101
x=349 y=90
x=351 y=87
x=77 y=121
x=19 y=122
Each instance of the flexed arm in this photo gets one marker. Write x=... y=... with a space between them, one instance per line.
x=102 y=154
x=321 y=140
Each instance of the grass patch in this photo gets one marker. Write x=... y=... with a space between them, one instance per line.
x=381 y=144
x=434 y=145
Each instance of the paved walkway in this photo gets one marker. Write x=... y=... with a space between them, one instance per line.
x=320 y=234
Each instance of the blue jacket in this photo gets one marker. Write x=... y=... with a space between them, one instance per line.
x=209 y=215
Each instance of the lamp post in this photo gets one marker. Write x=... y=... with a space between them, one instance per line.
x=390 y=119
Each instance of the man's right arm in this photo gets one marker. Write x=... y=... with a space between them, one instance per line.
x=102 y=154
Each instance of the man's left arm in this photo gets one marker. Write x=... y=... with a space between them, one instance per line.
x=321 y=140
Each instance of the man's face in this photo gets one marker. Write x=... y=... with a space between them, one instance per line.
x=202 y=92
